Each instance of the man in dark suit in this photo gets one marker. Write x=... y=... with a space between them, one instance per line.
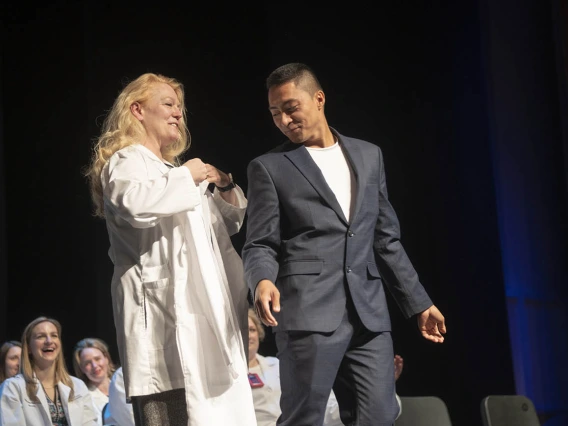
x=320 y=228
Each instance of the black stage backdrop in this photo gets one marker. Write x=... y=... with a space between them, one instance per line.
x=419 y=79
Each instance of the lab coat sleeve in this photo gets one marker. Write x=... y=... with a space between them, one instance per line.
x=11 y=412
x=90 y=416
x=139 y=197
x=119 y=412
x=233 y=216
x=332 y=417
x=399 y=401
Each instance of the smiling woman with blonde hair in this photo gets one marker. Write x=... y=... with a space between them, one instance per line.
x=93 y=364
x=44 y=392
x=178 y=289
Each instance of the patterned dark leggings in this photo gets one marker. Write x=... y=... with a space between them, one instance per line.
x=160 y=409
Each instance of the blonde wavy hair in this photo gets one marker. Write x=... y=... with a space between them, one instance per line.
x=91 y=342
x=27 y=365
x=120 y=129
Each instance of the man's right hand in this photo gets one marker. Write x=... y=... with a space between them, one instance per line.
x=266 y=296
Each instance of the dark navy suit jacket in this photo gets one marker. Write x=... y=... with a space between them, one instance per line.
x=298 y=237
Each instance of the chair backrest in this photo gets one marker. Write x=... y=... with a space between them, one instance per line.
x=423 y=411
x=507 y=410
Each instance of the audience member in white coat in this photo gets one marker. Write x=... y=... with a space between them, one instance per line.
x=119 y=411
x=264 y=379
x=44 y=393
x=93 y=364
x=177 y=276
x=10 y=355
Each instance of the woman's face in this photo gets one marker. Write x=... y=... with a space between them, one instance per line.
x=161 y=115
x=254 y=341
x=13 y=361
x=94 y=365
x=44 y=344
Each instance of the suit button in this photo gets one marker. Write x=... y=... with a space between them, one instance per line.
x=351 y=233
x=348 y=269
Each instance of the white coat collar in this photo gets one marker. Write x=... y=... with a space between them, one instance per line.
x=64 y=392
x=266 y=362
x=150 y=154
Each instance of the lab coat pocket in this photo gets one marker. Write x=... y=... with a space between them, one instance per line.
x=158 y=297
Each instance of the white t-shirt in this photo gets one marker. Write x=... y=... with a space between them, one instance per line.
x=337 y=173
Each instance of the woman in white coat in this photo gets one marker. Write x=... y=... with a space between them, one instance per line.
x=93 y=364
x=179 y=297
x=44 y=393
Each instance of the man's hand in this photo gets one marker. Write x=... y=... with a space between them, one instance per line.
x=398 y=364
x=265 y=295
x=431 y=324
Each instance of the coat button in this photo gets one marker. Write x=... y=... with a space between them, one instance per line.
x=348 y=269
x=351 y=233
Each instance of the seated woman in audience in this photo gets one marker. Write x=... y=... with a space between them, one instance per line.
x=44 y=393
x=264 y=378
x=10 y=353
x=93 y=364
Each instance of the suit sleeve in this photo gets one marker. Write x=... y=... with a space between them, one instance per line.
x=394 y=265
x=232 y=216
x=261 y=248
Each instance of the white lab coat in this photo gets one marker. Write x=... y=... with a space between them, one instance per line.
x=99 y=401
x=118 y=412
x=178 y=290
x=17 y=409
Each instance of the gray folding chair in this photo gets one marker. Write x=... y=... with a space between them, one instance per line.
x=508 y=410
x=423 y=411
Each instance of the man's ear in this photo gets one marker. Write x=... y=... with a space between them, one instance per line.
x=320 y=99
x=136 y=110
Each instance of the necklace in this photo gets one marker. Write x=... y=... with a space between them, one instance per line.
x=55 y=407
x=49 y=387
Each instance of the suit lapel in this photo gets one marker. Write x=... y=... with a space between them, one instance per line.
x=302 y=159
x=354 y=156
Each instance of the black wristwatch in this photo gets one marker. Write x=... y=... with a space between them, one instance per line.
x=230 y=186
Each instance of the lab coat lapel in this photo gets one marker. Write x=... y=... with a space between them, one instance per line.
x=43 y=400
x=64 y=392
